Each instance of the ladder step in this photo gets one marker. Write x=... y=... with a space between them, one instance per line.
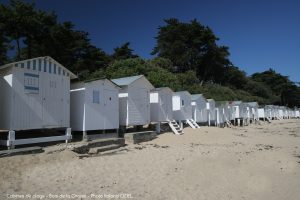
x=175 y=127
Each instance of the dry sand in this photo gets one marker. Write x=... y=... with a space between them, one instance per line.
x=253 y=162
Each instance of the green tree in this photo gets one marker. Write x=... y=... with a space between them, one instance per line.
x=162 y=63
x=280 y=85
x=14 y=18
x=123 y=52
x=4 y=47
x=234 y=77
x=127 y=67
x=38 y=33
x=192 y=46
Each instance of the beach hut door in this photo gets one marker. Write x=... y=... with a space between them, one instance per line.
x=142 y=101
x=52 y=101
x=110 y=108
x=164 y=105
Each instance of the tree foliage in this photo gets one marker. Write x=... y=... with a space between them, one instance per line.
x=123 y=52
x=192 y=46
x=187 y=57
x=34 y=33
x=286 y=91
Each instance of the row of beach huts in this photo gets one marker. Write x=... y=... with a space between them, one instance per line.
x=39 y=94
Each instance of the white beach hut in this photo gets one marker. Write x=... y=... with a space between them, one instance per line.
x=161 y=104
x=94 y=106
x=238 y=111
x=182 y=109
x=246 y=113
x=211 y=111
x=285 y=113
x=253 y=111
x=276 y=112
x=134 y=100
x=223 y=113
x=269 y=112
x=297 y=113
x=281 y=110
x=261 y=113
x=199 y=108
x=35 y=94
x=161 y=108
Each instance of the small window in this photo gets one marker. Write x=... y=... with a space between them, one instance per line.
x=40 y=65
x=54 y=68
x=96 y=96
x=22 y=65
x=59 y=70
x=28 y=64
x=34 y=65
x=31 y=83
x=64 y=72
x=182 y=103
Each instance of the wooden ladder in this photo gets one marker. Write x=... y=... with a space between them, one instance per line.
x=192 y=123
x=229 y=124
x=175 y=127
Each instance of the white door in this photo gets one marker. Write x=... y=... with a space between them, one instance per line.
x=164 y=106
x=139 y=110
x=111 y=109
x=53 y=109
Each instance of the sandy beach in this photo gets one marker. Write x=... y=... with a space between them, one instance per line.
x=251 y=162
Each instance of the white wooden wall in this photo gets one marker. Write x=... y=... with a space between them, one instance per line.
x=199 y=110
x=182 y=108
x=135 y=104
x=6 y=78
x=95 y=107
x=40 y=96
x=161 y=106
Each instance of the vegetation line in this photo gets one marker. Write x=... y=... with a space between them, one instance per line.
x=187 y=57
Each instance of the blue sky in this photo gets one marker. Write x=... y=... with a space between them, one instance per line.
x=260 y=34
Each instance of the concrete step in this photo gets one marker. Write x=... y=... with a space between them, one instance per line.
x=84 y=147
x=114 y=151
x=97 y=150
x=106 y=142
x=26 y=150
x=138 y=137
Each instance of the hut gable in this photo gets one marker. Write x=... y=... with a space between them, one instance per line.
x=41 y=64
x=133 y=81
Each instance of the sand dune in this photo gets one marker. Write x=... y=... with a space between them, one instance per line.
x=253 y=162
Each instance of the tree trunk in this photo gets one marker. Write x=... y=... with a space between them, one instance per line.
x=201 y=83
x=18 y=50
x=29 y=48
